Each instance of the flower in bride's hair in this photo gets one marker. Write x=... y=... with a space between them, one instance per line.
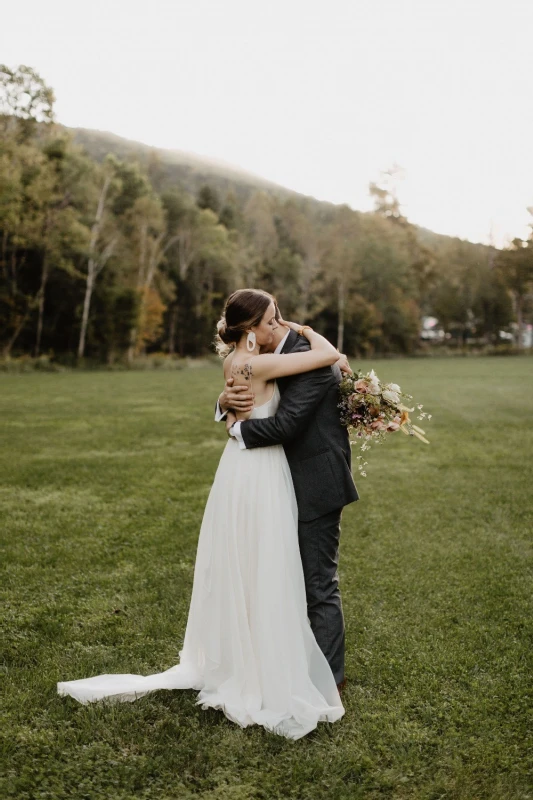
x=221 y=326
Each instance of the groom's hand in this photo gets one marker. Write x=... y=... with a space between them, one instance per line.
x=231 y=419
x=239 y=398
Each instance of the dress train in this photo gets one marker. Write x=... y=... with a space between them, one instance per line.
x=249 y=649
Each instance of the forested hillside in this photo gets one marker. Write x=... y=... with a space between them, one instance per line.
x=110 y=249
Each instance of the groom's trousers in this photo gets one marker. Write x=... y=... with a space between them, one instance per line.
x=319 y=550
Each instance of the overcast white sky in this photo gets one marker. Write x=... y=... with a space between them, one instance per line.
x=318 y=96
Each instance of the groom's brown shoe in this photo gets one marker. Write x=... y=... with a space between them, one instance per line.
x=341 y=685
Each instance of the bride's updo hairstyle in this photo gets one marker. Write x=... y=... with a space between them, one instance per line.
x=243 y=310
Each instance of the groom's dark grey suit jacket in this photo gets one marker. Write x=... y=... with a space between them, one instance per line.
x=316 y=444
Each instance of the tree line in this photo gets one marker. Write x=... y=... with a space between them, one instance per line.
x=105 y=257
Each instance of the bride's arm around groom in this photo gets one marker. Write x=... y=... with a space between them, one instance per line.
x=301 y=396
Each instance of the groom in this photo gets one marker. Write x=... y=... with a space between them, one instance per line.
x=318 y=451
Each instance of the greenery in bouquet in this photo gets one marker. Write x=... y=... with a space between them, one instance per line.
x=371 y=409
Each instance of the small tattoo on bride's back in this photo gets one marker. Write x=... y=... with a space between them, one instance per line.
x=245 y=370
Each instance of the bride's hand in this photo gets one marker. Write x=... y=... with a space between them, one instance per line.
x=294 y=326
x=344 y=365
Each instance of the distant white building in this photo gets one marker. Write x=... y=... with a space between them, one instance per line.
x=527 y=334
x=431 y=330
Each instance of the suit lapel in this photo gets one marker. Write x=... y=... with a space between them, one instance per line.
x=287 y=347
x=289 y=342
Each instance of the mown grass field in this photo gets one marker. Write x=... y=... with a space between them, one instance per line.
x=104 y=477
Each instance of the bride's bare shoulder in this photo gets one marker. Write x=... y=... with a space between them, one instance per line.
x=227 y=364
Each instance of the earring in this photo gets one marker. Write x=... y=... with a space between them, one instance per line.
x=250 y=342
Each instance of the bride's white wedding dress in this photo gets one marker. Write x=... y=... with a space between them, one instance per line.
x=248 y=647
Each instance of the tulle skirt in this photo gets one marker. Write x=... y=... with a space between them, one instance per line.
x=249 y=649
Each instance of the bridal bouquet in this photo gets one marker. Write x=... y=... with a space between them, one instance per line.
x=371 y=409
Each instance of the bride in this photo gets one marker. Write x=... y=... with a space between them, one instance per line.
x=249 y=648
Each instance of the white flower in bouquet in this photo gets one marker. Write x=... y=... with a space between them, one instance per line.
x=391 y=396
x=374 y=386
x=371 y=410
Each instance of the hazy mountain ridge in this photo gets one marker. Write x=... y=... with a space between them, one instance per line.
x=193 y=171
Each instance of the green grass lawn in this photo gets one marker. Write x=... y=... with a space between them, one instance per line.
x=104 y=477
